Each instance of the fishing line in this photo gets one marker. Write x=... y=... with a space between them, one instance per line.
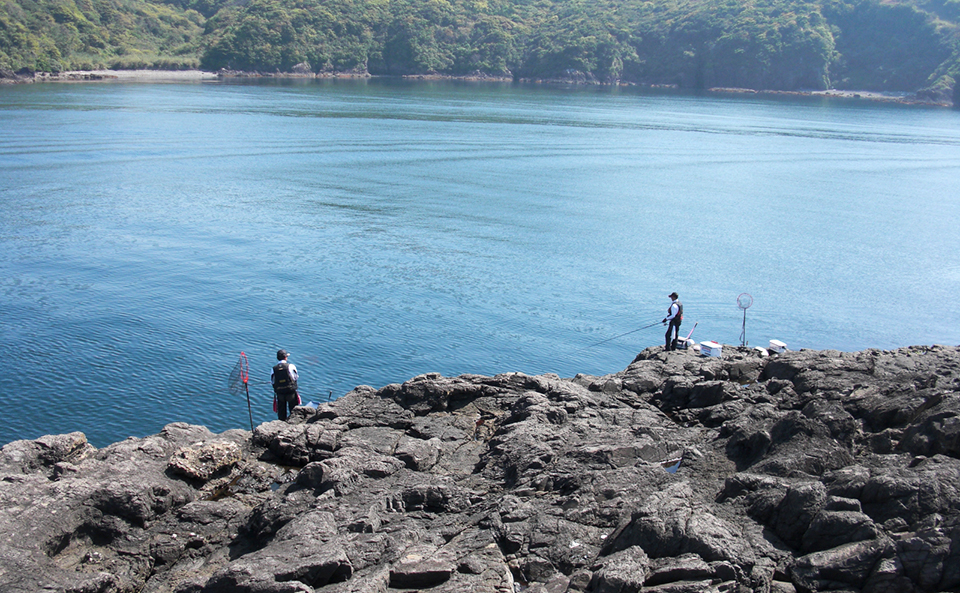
x=615 y=337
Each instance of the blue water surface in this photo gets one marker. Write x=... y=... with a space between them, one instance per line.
x=383 y=229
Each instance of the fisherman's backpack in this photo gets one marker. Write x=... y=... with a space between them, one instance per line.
x=283 y=383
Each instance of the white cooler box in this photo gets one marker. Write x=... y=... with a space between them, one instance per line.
x=711 y=349
x=777 y=346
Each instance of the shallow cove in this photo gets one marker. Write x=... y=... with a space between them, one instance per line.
x=382 y=229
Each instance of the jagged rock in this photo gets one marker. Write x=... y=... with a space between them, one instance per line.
x=844 y=567
x=830 y=529
x=305 y=553
x=203 y=461
x=621 y=571
x=44 y=453
x=798 y=472
x=418 y=454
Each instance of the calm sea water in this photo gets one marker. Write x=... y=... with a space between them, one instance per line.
x=380 y=230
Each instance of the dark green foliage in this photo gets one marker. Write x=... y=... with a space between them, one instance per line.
x=582 y=39
x=207 y=8
x=735 y=44
x=54 y=35
x=275 y=35
x=763 y=44
x=886 y=46
x=419 y=36
x=490 y=47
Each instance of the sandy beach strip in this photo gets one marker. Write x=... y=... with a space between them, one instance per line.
x=126 y=76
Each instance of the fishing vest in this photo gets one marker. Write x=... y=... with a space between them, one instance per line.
x=679 y=316
x=283 y=383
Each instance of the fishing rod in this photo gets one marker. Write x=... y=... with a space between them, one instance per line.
x=326 y=399
x=620 y=336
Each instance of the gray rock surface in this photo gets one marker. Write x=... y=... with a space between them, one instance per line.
x=803 y=471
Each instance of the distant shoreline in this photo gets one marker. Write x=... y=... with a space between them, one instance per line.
x=123 y=76
x=881 y=96
x=161 y=76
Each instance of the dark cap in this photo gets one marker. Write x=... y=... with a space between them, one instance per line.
x=673 y=295
x=281 y=354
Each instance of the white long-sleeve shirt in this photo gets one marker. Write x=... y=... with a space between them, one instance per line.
x=672 y=311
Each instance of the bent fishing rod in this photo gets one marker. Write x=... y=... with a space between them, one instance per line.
x=620 y=336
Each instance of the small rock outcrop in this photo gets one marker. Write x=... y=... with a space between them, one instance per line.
x=800 y=472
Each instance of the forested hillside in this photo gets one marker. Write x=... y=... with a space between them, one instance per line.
x=890 y=45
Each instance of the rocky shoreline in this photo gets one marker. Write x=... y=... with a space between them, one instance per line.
x=882 y=97
x=160 y=76
x=802 y=471
x=110 y=76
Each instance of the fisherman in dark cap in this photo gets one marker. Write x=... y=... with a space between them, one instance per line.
x=284 y=377
x=672 y=321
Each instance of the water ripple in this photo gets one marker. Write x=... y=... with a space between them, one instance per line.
x=155 y=231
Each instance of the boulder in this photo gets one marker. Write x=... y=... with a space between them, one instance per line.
x=205 y=460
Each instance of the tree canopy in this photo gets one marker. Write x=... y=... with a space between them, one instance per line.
x=894 y=45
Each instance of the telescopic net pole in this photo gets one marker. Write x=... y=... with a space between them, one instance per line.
x=249 y=409
x=246 y=387
x=743 y=329
x=744 y=301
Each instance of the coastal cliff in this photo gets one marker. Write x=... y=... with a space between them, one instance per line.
x=802 y=471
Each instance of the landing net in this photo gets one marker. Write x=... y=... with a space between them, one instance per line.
x=238 y=381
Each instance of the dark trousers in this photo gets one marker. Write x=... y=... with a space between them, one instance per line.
x=285 y=404
x=674 y=328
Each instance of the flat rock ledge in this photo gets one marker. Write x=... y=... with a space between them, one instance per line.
x=803 y=471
